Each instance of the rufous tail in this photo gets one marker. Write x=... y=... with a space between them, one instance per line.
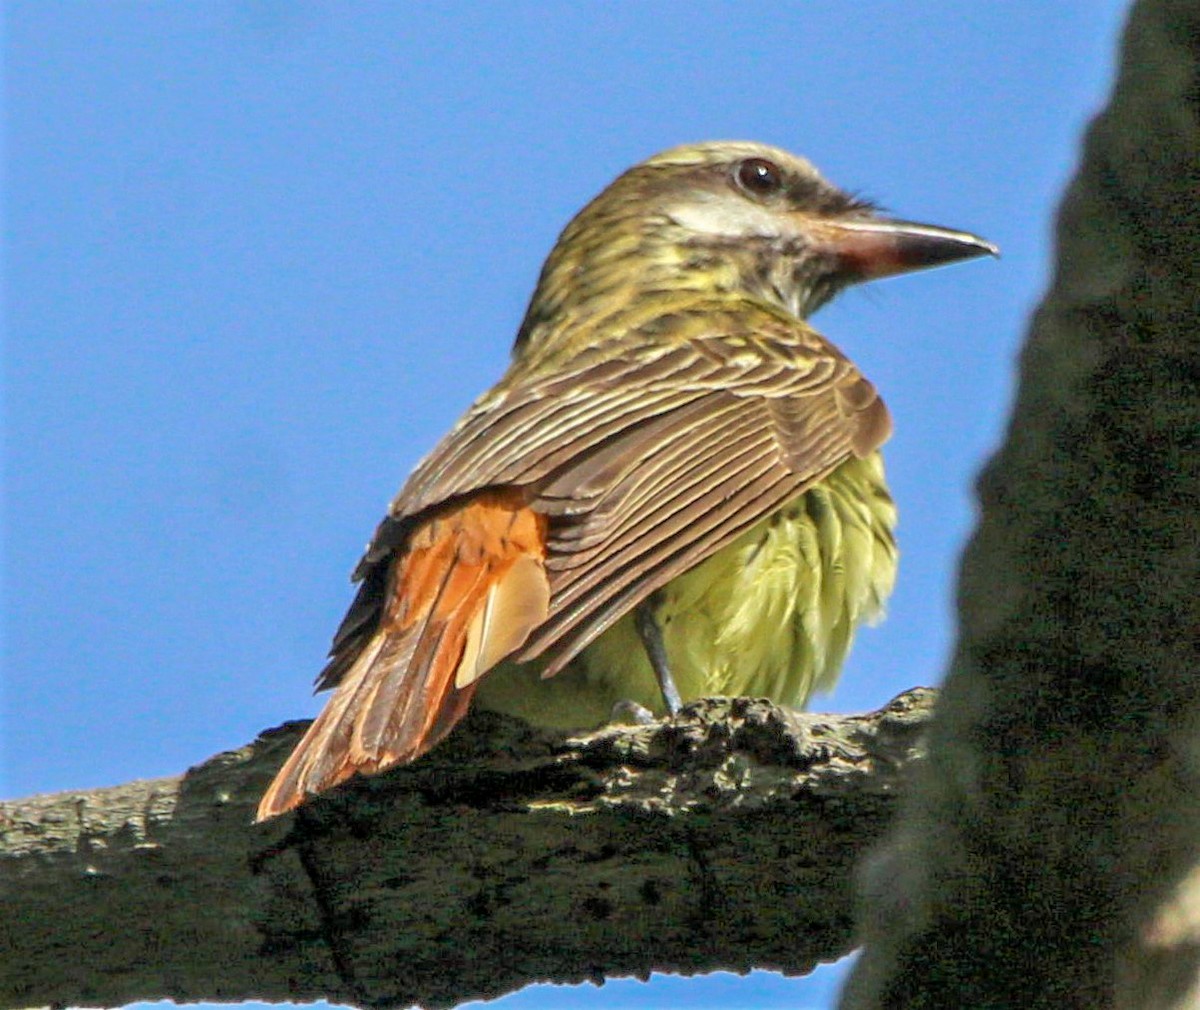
x=465 y=590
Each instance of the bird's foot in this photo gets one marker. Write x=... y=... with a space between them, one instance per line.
x=628 y=712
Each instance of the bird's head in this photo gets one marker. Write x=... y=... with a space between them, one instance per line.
x=730 y=217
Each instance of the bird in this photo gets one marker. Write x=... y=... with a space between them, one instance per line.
x=674 y=491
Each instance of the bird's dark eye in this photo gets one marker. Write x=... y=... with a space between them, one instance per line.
x=759 y=177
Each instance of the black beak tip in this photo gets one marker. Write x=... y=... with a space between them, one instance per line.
x=987 y=248
x=931 y=248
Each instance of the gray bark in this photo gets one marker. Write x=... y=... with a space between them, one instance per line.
x=1048 y=856
x=721 y=839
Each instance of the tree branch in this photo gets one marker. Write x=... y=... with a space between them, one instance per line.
x=1049 y=852
x=721 y=839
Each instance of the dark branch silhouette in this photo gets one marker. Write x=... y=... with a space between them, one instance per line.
x=721 y=839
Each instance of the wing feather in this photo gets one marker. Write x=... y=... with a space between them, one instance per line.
x=647 y=454
x=563 y=639
x=657 y=516
x=672 y=472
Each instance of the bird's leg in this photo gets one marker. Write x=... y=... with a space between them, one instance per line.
x=651 y=635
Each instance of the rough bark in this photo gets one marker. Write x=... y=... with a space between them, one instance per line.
x=721 y=839
x=1048 y=856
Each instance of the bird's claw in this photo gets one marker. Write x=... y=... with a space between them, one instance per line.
x=629 y=713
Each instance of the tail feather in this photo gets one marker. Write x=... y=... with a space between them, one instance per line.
x=312 y=760
x=466 y=590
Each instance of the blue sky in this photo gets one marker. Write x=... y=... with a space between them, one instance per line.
x=259 y=255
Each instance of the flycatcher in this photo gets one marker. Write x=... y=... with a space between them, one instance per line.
x=674 y=491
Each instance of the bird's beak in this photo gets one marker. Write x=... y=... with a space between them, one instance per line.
x=869 y=248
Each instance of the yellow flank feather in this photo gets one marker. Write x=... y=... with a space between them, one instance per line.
x=771 y=615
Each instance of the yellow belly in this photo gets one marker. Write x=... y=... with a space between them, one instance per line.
x=770 y=615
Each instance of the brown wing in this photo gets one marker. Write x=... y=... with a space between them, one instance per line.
x=648 y=455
